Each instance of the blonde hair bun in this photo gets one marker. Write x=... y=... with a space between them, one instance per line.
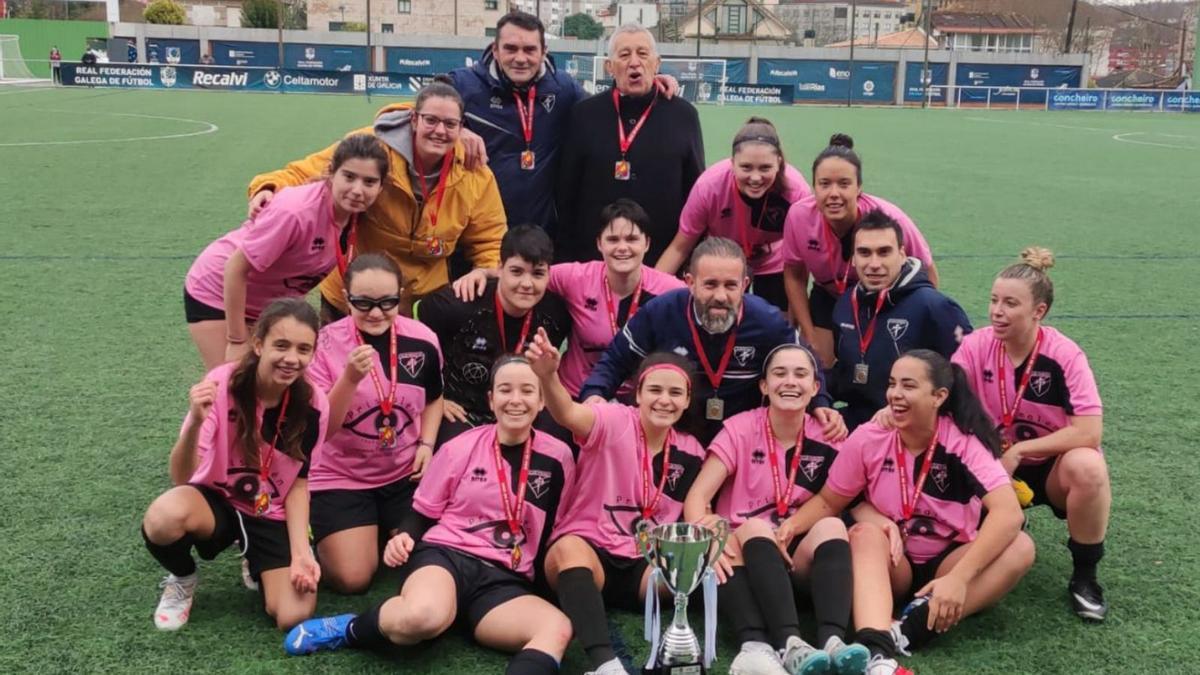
x=1038 y=258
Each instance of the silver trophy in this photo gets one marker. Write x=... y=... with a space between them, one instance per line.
x=682 y=556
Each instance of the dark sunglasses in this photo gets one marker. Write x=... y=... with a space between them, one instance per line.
x=365 y=304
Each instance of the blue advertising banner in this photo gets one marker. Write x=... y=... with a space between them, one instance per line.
x=1075 y=99
x=171 y=51
x=874 y=82
x=424 y=61
x=758 y=94
x=391 y=84
x=1003 y=79
x=231 y=53
x=1184 y=101
x=916 y=76
x=1132 y=99
x=131 y=75
x=325 y=57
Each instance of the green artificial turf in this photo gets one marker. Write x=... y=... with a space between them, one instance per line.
x=97 y=361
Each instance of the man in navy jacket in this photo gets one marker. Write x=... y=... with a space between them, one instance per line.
x=710 y=322
x=892 y=309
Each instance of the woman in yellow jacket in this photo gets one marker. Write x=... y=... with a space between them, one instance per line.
x=431 y=203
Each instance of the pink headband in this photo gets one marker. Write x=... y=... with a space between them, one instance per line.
x=666 y=366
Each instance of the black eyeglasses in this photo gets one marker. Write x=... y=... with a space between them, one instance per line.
x=434 y=120
x=365 y=304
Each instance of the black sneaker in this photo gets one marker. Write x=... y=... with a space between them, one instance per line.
x=1087 y=599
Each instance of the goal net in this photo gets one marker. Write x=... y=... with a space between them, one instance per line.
x=700 y=80
x=12 y=65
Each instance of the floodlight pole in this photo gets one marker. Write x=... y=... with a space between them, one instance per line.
x=279 y=29
x=699 y=14
x=926 y=74
x=370 y=54
x=850 y=74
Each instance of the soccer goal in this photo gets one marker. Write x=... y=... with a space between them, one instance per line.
x=12 y=65
x=700 y=80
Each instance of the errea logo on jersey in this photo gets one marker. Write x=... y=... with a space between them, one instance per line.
x=203 y=78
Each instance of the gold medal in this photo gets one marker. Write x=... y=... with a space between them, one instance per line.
x=387 y=436
x=714 y=409
x=434 y=246
x=261 y=503
x=861 y=373
x=528 y=161
x=516 y=556
x=621 y=170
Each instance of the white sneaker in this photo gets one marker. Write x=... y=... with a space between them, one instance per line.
x=882 y=666
x=757 y=658
x=247 y=580
x=610 y=667
x=801 y=658
x=176 y=602
x=847 y=659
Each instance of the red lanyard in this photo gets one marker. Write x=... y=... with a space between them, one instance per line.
x=1009 y=415
x=344 y=257
x=648 y=505
x=513 y=508
x=525 y=114
x=743 y=224
x=908 y=502
x=782 y=499
x=834 y=258
x=864 y=337
x=613 y=304
x=500 y=326
x=262 y=501
x=441 y=184
x=714 y=377
x=623 y=140
x=385 y=402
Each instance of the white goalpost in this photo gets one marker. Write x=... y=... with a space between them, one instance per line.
x=12 y=65
x=700 y=80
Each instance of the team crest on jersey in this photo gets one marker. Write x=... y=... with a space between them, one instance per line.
x=539 y=483
x=758 y=457
x=897 y=328
x=743 y=354
x=889 y=465
x=479 y=475
x=726 y=213
x=681 y=350
x=496 y=103
x=318 y=244
x=548 y=102
x=480 y=345
x=810 y=465
x=1039 y=382
x=412 y=362
x=674 y=473
x=475 y=373
x=988 y=376
x=591 y=304
x=940 y=475
x=814 y=245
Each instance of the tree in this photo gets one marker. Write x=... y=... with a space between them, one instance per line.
x=583 y=27
x=260 y=14
x=166 y=12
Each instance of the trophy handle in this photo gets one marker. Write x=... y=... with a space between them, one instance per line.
x=643 y=542
x=720 y=536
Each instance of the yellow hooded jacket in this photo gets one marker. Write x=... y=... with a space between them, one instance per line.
x=471 y=216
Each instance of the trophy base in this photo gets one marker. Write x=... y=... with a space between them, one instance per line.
x=676 y=669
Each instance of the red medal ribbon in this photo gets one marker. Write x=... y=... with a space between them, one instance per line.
x=512 y=511
x=648 y=505
x=614 y=305
x=864 y=337
x=1009 y=415
x=344 y=257
x=440 y=189
x=623 y=140
x=743 y=224
x=834 y=258
x=525 y=114
x=262 y=500
x=386 y=403
x=500 y=326
x=782 y=499
x=908 y=502
x=714 y=377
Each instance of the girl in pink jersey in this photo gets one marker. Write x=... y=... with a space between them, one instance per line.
x=283 y=251
x=240 y=468
x=818 y=240
x=761 y=466
x=635 y=469
x=746 y=199
x=482 y=513
x=1039 y=390
x=383 y=374
x=920 y=536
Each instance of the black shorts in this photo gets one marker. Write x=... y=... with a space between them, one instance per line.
x=1035 y=476
x=264 y=543
x=820 y=307
x=923 y=573
x=770 y=287
x=622 y=579
x=332 y=511
x=481 y=585
x=195 y=311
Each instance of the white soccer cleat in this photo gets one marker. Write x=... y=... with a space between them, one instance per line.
x=757 y=658
x=175 y=605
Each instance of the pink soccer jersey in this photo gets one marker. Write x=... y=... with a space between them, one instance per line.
x=711 y=210
x=606 y=506
x=460 y=490
x=289 y=245
x=951 y=501
x=220 y=456
x=808 y=240
x=1061 y=385
x=749 y=490
x=352 y=458
x=581 y=286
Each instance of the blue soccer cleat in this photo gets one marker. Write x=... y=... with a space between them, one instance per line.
x=316 y=635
